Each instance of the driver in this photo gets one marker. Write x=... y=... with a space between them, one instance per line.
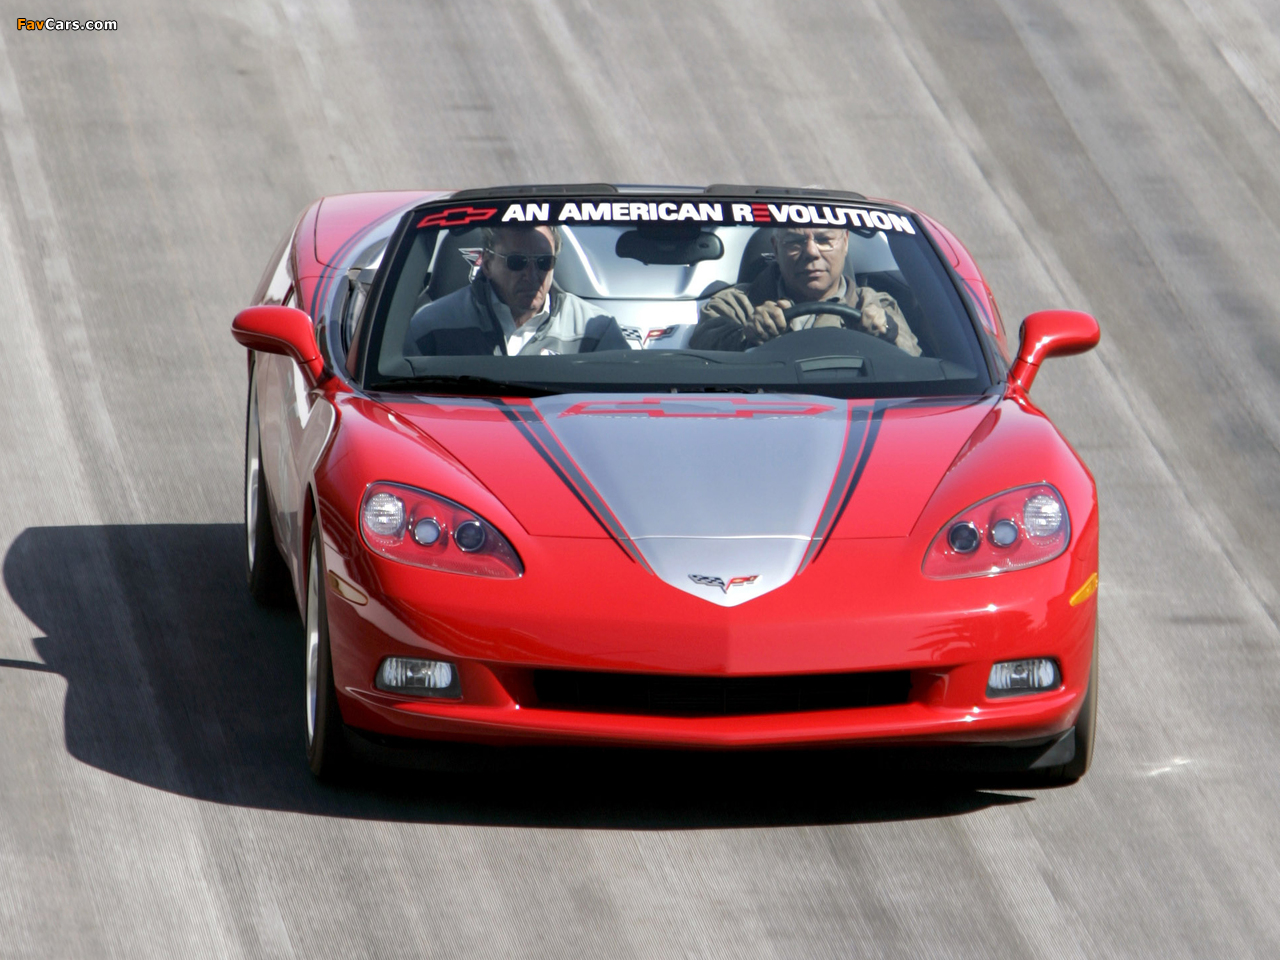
x=808 y=266
x=511 y=306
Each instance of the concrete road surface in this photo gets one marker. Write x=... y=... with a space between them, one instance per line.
x=1118 y=156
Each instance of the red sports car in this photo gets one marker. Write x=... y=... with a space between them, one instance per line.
x=696 y=468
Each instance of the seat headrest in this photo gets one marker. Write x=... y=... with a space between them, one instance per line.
x=452 y=269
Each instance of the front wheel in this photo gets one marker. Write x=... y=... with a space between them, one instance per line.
x=1086 y=725
x=326 y=737
x=265 y=572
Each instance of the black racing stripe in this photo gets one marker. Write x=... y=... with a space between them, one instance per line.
x=582 y=487
x=525 y=431
x=531 y=426
x=873 y=431
x=840 y=485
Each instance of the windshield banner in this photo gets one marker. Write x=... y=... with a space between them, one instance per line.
x=670 y=211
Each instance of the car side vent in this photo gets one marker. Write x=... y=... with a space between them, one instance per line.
x=663 y=695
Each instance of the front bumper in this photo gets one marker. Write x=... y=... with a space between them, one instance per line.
x=946 y=634
x=1036 y=716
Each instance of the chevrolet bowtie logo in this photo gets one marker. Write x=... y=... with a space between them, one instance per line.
x=455 y=216
x=704 y=581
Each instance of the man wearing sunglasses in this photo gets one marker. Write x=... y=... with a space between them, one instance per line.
x=512 y=306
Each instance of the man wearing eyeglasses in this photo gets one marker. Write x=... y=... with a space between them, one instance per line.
x=808 y=266
x=511 y=307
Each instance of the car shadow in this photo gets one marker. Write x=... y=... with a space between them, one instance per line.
x=178 y=681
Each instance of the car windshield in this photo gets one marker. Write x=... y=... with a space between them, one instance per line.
x=672 y=294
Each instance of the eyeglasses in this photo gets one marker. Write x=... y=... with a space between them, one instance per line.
x=516 y=262
x=794 y=243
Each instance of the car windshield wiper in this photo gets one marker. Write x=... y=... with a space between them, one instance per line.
x=467 y=384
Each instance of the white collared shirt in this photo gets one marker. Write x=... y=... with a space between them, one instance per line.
x=516 y=337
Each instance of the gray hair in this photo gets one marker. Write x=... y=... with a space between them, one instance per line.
x=489 y=235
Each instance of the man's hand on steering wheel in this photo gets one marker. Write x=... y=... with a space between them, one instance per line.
x=759 y=324
x=870 y=319
x=767 y=321
x=876 y=321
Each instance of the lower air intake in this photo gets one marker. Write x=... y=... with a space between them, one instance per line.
x=663 y=695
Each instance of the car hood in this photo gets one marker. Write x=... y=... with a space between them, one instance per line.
x=724 y=497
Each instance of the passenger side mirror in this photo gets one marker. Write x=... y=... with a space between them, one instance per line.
x=283 y=330
x=1051 y=333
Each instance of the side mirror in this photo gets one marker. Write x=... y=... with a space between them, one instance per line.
x=1051 y=333
x=283 y=330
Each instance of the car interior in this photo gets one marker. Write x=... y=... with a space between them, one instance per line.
x=444 y=262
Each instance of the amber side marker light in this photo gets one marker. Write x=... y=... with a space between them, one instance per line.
x=1087 y=590
x=347 y=591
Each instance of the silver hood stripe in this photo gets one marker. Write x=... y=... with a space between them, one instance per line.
x=690 y=487
x=534 y=429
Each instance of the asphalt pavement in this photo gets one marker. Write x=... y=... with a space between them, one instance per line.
x=1116 y=156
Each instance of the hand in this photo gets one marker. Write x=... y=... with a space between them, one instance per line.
x=767 y=321
x=731 y=304
x=874 y=319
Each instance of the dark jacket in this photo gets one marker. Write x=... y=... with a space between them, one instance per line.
x=463 y=324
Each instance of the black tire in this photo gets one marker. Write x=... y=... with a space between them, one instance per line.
x=1086 y=725
x=327 y=753
x=265 y=570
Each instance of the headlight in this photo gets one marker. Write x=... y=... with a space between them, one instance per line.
x=384 y=515
x=1010 y=531
x=412 y=526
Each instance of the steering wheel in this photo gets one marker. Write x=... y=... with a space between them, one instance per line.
x=841 y=310
x=845 y=313
x=837 y=340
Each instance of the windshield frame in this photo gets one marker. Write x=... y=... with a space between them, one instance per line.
x=486 y=205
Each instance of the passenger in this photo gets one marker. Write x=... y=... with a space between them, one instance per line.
x=808 y=266
x=511 y=307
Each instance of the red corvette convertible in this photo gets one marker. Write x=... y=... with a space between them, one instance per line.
x=697 y=468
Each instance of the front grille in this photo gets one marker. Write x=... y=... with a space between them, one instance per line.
x=664 y=695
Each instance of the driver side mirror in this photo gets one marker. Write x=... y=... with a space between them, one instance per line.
x=1051 y=333
x=283 y=330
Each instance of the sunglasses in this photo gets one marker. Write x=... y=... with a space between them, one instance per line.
x=516 y=262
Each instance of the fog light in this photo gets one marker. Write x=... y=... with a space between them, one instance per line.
x=1023 y=676
x=423 y=678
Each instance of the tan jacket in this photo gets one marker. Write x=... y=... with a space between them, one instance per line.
x=726 y=330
